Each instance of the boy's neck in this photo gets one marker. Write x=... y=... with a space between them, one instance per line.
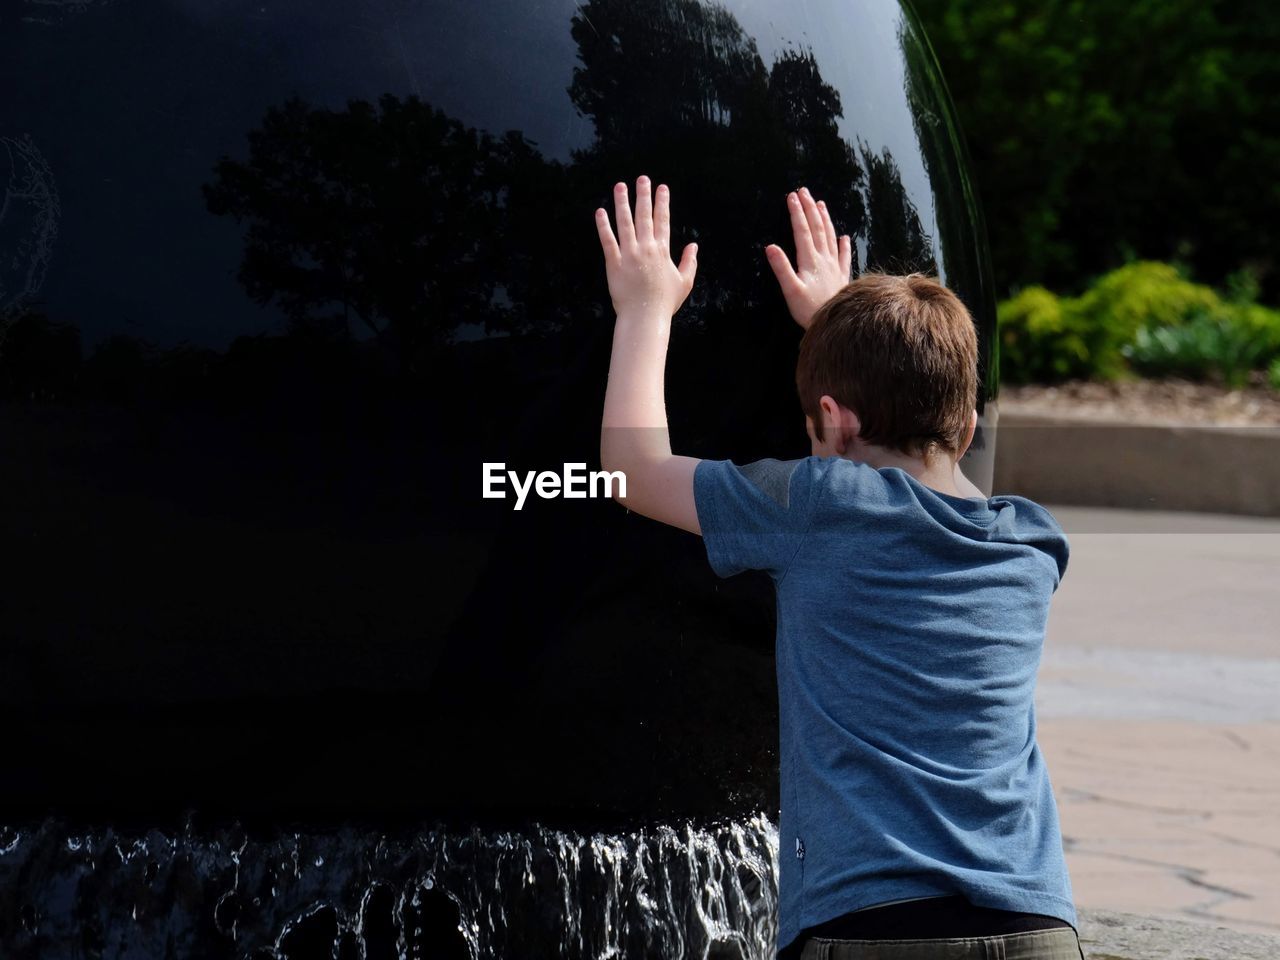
x=938 y=474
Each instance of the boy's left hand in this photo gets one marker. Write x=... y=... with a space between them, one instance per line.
x=823 y=260
x=642 y=276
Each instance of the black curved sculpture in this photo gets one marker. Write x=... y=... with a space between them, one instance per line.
x=277 y=279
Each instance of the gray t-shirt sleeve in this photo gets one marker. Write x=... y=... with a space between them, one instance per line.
x=754 y=516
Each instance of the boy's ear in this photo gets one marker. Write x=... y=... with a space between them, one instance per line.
x=839 y=424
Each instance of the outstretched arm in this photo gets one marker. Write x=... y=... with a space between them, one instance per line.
x=647 y=288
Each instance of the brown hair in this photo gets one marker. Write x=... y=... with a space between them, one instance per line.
x=899 y=351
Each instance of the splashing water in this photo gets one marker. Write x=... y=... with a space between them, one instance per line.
x=670 y=891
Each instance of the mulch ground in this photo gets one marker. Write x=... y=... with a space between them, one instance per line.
x=1169 y=400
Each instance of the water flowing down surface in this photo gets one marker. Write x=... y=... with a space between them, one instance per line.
x=669 y=890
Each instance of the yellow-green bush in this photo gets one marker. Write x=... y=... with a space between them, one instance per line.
x=1145 y=294
x=1041 y=338
x=1144 y=318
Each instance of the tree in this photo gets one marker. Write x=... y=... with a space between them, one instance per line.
x=1110 y=129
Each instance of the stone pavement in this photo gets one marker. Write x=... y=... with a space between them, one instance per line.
x=1105 y=935
x=1158 y=711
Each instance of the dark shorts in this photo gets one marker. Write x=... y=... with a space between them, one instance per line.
x=937 y=927
x=1060 y=943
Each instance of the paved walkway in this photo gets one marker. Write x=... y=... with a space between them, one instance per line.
x=1159 y=714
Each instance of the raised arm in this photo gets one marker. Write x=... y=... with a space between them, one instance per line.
x=647 y=288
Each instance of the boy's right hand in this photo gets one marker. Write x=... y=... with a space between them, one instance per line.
x=823 y=261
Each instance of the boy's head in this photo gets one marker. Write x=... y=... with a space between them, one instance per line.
x=901 y=354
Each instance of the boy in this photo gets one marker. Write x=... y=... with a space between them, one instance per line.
x=915 y=805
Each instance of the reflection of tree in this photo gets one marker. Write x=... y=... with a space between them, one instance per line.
x=383 y=216
x=122 y=368
x=674 y=87
x=677 y=91
x=410 y=224
x=807 y=108
x=396 y=219
x=654 y=65
x=896 y=241
x=39 y=359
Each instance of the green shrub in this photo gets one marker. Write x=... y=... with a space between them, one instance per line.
x=1145 y=317
x=1142 y=294
x=1259 y=323
x=1039 y=340
x=1146 y=293
x=1212 y=346
x=1273 y=374
x=1242 y=286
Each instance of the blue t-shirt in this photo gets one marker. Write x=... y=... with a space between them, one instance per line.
x=910 y=625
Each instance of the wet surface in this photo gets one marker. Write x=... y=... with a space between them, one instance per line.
x=677 y=891
x=279 y=278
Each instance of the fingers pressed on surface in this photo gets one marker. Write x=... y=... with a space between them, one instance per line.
x=688 y=265
x=622 y=213
x=781 y=265
x=800 y=230
x=644 y=209
x=816 y=226
x=608 y=243
x=662 y=217
x=832 y=242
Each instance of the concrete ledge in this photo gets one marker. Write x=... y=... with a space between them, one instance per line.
x=1126 y=936
x=1085 y=461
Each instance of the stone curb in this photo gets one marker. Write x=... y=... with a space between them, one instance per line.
x=1125 y=936
x=1086 y=461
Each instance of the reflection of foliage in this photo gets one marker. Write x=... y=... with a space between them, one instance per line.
x=404 y=220
x=119 y=369
x=807 y=108
x=896 y=241
x=385 y=214
x=1144 y=316
x=39 y=359
x=677 y=88
x=653 y=65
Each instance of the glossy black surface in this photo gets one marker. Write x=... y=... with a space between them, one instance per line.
x=278 y=277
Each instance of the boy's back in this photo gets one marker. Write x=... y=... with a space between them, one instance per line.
x=910 y=626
